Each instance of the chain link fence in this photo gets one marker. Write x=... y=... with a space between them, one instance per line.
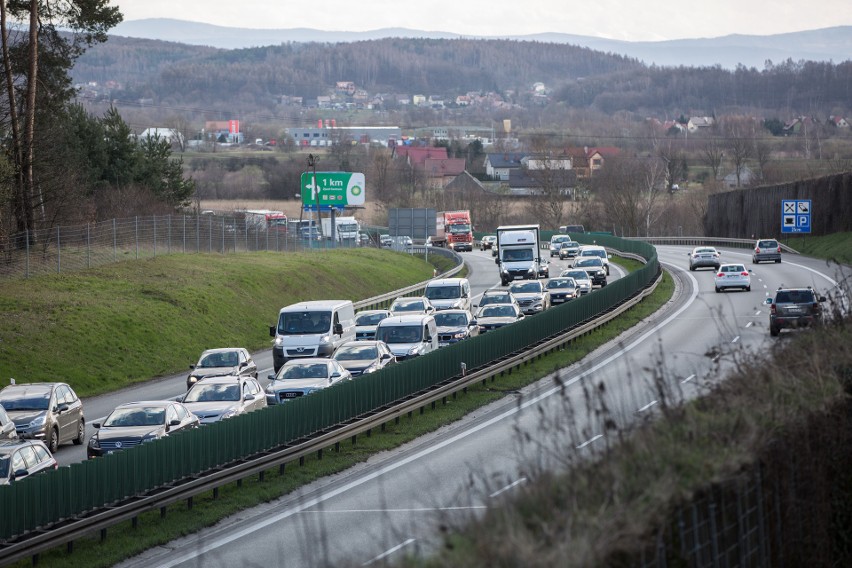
x=64 y=249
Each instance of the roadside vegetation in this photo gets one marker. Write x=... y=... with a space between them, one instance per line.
x=836 y=247
x=123 y=541
x=106 y=328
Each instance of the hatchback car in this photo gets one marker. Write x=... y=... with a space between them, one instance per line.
x=594 y=267
x=581 y=277
x=415 y=305
x=7 y=426
x=732 y=276
x=792 y=308
x=300 y=377
x=487 y=242
x=455 y=326
x=495 y=316
x=562 y=289
x=134 y=423
x=22 y=458
x=702 y=257
x=222 y=361
x=219 y=398
x=766 y=250
x=366 y=322
x=51 y=412
x=364 y=356
x=531 y=295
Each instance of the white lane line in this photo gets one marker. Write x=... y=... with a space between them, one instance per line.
x=737 y=338
x=202 y=547
x=687 y=379
x=389 y=551
x=765 y=286
x=757 y=313
x=503 y=490
x=647 y=406
x=326 y=512
x=749 y=324
x=589 y=441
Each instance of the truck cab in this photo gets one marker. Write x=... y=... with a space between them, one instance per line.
x=518 y=253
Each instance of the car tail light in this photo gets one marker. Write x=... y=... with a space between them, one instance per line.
x=779 y=249
x=757 y=250
x=743 y=273
x=720 y=274
x=772 y=309
x=817 y=307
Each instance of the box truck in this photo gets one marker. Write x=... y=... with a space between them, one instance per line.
x=454 y=230
x=345 y=229
x=518 y=252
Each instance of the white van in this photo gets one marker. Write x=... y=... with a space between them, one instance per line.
x=409 y=336
x=311 y=329
x=449 y=293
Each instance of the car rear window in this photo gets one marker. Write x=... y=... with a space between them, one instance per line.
x=767 y=244
x=794 y=297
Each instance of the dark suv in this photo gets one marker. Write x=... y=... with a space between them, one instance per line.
x=793 y=307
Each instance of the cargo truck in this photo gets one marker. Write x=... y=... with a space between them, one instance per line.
x=266 y=220
x=454 y=230
x=345 y=229
x=518 y=252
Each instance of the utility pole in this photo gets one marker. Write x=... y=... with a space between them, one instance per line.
x=312 y=163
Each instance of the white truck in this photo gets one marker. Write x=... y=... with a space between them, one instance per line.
x=518 y=252
x=345 y=229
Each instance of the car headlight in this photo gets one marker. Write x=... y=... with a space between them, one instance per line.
x=150 y=437
x=94 y=443
x=531 y=271
x=460 y=335
x=414 y=350
x=193 y=379
x=279 y=341
x=229 y=414
x=324 y=339
x=38 y=421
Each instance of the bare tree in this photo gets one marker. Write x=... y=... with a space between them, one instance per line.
x=630 y=191
x=553 y=180
x=712 y=151
x=739 y=139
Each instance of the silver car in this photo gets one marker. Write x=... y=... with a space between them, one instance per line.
x=220 y=362
x=766 y=250
x=50 y=412
x=301 y=377
x=702 y=257
x=219 y=398
x=531 y=295
x=581 y=277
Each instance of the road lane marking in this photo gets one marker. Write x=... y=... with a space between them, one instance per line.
x=737 y=338
x=687 y=379
x=589 y=441
x=389 y=551
x=647 y=406
x=503 y=490
x=749 y=324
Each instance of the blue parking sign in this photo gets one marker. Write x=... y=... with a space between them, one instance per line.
x=796 y=216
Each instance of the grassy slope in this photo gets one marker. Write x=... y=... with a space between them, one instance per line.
x=102 y=329
x=836 y=247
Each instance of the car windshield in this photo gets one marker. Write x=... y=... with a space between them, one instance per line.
x=25 y=399
x=443 y=292
x=408 y=306
x=206 y=392
x=577 y=275
x=794 y=297
x=517 y=255
x=304 y=371
x=494 y=299
x=526 y=288
x=356 y=353
x=298 y=323
x=560 y=239
x=400 y=334
x=136 y=416
x=561 y=283
x=498 y=311
x=370 y=319
x=450 y=320
x=594 y=261
x=222 y=359
x=594 y=252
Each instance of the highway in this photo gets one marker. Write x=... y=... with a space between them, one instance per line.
x=395 y=503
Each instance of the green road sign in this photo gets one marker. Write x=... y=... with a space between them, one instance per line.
x=334 y=189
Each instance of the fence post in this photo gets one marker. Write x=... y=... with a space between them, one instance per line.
x=88 y=248
x=58 y=253
x=223 y=236
x=136 y=230
x=155 y=236
x=169 y=234
x=27 y=237
x=114 y=243
x=210 y=235
x=184 y=233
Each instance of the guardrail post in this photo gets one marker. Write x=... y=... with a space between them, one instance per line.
x=189 y=503
x=103 y=534
x=261 y=476
x=162 y=512
x=69 y=547
x=319 y=454
x=58 y=253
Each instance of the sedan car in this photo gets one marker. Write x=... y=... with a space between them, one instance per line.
x=300 y=377
x=51 y=412
x=569 y=249
x=366 y=322
x=487 y=242
x=416 y=305
x=581 y=277
x=531 y=295
x=362 y=357
x=594 y=267
x=494 y=316
x=701 y=257
x=455 y=326
x=133 y=423
x=220 y=362
x=219 y=398
x=732 y=276
x=766 y=250
x=496 y=296
x=22 y=458
x=562 y=289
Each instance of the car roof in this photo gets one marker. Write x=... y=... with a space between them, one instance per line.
x=10 y=445
x=305 y=361
x=370 y=312
x=221 y=350
x=405 y=319
x=146 y=403
x=445 y=282
x=220 y=379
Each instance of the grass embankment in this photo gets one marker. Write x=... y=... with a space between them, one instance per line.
x=105 y=328
x=153 y=530
x=836 y=247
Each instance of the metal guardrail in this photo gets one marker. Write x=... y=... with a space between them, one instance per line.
x=589 y=312
x=708 y=241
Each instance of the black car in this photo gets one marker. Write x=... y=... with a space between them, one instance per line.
x=134 y=423
x=794 y=307
x=594 y=267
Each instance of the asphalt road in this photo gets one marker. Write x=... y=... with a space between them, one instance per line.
x=395 y=503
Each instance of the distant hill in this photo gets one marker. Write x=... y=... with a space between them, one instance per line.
x=829 y=44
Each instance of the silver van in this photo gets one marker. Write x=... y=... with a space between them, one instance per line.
x=409 y=336
x=449 y=293
x=311 y=329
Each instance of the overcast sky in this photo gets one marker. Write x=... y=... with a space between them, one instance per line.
x=632 y=20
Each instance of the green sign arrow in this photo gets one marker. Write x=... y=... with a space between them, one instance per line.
x=333 y=189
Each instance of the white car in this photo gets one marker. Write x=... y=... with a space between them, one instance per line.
x=581 y=278
x=594 y=250
x=702 y=257
x=411 y=305
x=732 y=276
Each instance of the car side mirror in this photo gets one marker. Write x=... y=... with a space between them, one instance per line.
x=821 y=299
x=271 y=331
x=179 y=398
x=61 y=408
x=191 y=367
x=96 y=425
x=174 y=423
x=768 y=301
x=472 y=323
x=497 y=260
x=271 y=376
x=20 y=473
x=248 y=396
x=335 y=375
x=338 y=329
x=386 y=356
x=243 y=364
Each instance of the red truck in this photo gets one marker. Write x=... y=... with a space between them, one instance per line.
x=454 y=230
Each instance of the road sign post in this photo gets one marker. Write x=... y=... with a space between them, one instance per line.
x=795 y=216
